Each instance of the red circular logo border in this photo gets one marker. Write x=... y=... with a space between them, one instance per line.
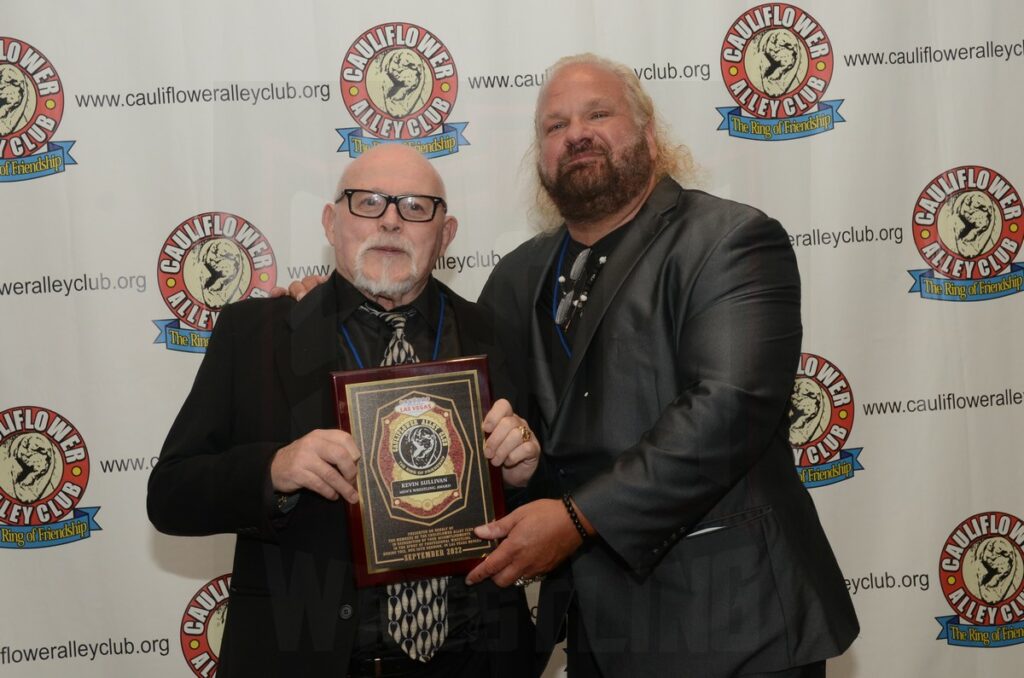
x=172 y=283
x=80 y=480
x=56 y=99
x=446 y=88
x=825 y=73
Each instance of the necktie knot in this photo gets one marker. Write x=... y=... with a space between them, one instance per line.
x=399 y=349
x=396 y=321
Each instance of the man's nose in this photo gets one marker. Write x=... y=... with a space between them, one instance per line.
x=577 y=131
x=391 y=220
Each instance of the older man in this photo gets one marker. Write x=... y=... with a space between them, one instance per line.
x=255 y=451
x=658 y=330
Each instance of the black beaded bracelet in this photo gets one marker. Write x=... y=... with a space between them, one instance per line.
x=567 y=500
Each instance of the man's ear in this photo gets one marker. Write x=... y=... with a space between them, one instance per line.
x=327 y=219
x=448 y=230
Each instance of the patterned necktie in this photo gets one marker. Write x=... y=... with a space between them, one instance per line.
x=417 y=610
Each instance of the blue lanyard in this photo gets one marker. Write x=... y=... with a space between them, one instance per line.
x=437 y=337
x=554 y=297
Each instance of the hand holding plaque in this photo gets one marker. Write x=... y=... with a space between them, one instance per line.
x=510 y=444
x=423 y=478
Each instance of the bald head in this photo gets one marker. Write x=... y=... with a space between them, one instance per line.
x=396 y=160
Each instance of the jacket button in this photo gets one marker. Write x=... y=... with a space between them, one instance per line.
x=345 y=612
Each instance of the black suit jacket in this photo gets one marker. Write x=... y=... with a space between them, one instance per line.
x=262 y=384
x=671 y=432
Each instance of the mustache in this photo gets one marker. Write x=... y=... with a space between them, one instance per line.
x=578 y=149
x=382 y=240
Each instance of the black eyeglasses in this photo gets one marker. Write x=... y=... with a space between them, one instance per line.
x=371 y=204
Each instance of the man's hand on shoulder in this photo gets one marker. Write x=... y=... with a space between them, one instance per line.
x=323 y=461
x=299 y=288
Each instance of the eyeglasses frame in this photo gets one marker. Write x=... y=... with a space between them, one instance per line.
x=389 y=200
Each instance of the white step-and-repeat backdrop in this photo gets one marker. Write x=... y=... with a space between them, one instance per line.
x=139 y=140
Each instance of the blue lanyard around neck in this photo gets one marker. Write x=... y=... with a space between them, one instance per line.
x=437 y=337
x=554 y=297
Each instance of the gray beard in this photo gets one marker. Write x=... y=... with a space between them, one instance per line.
x=387 y=288
x=384 y=286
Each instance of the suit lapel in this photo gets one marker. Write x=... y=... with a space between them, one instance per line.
x=540 y=372
x=646 y=226
x=306 y=355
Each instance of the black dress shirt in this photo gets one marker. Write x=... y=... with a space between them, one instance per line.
x=558 y=342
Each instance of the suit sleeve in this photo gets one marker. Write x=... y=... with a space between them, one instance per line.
x=205 y=482
x=736 y=354
x=510 y=321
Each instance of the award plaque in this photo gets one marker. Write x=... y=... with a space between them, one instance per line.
x=424 y=482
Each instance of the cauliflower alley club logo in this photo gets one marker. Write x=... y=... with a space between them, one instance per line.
x=422 y=460
x=44 y=468
x=202 y=626
x=820 y=421
x=777 y=63
x=968 y=228
x=982 y=570
x=399 y=84
x=31 y=106
x=209 y=261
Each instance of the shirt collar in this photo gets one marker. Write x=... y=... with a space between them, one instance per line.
x=608 y=242
x=427 y=304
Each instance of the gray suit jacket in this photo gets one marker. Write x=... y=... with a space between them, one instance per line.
x=671 y=433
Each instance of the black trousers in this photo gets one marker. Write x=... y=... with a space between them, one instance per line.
x=467 y=663
x=502 y=647
x=580 y=661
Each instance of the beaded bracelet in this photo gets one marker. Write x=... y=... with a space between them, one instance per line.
x=567 y=500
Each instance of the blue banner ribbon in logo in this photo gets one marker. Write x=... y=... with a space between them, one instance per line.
x=51 y=161
x=982 y=289
x=446 y=142
x=839 y=469
x=969 y=635
x=80 y=526
x=178 y=338
x=780 y=129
